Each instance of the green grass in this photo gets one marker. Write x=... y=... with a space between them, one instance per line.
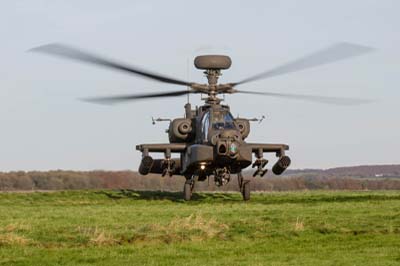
x=158 y=228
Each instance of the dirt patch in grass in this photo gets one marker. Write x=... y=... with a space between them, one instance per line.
x=180 y=229
x=191 y=228
x=10 y=235
x=11 y=239
x=102 y=238
x=299 y=225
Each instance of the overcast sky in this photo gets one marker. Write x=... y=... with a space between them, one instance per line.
x=44 y=126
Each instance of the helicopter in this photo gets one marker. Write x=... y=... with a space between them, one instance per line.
x=208 y=141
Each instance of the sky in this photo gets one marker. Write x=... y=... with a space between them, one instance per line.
x=44 y=125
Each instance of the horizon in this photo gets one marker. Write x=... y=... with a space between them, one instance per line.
x=246 y=169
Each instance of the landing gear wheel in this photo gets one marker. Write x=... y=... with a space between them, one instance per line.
x=246 y=191
x=240 y=181
x=188 y=189
x=244 y=187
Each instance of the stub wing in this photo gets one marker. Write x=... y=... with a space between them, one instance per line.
x=162 y=147
x=279 y=149
x=165 y=166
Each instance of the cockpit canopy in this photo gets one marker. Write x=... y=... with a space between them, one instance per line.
x=216 y=120
x=222 y=120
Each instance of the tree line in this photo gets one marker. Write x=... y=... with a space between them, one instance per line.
x=73 y=180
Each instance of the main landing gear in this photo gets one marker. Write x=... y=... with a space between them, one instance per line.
x=244 y=187
x=188 y=188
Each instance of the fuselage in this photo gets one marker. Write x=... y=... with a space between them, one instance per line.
x=210 y=142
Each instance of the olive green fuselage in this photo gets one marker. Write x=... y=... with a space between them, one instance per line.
x=208 y=140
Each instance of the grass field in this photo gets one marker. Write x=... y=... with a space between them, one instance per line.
x=158 y=228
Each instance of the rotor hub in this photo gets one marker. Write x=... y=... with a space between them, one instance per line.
x=212 y=77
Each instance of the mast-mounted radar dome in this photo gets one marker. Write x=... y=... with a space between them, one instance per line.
x=212 y=62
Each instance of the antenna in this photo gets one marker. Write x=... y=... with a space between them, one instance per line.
x=259 y=120
x=187 y=78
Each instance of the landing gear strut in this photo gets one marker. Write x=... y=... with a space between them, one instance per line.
x=188 y=189
x=244 y=186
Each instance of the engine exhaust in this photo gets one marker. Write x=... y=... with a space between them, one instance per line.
x=281 y=165
x=145 y=165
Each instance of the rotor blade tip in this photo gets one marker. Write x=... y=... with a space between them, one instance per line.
x=94 y=101
x=41 y=47
x=358 y=47
x=34 y=49
x=54 y=49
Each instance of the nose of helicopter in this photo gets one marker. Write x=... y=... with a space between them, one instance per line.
x=228 y=144
x=230 y=134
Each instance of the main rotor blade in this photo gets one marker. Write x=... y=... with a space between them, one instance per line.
x=331 y=54
x=132 y=97
x=76 y=54
x=313 y=98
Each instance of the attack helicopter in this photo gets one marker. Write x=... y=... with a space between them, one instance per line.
x=208 y=141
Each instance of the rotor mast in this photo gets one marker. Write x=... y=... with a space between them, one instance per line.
x=212 y=64
x=212 y=77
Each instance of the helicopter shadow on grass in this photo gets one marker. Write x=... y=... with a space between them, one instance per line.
x=169 y=195
x=260 y=198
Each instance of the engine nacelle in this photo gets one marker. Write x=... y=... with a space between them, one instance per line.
x=244 y=127
x=180 y=130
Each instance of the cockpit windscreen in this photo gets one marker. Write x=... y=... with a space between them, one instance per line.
x=222 y=120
